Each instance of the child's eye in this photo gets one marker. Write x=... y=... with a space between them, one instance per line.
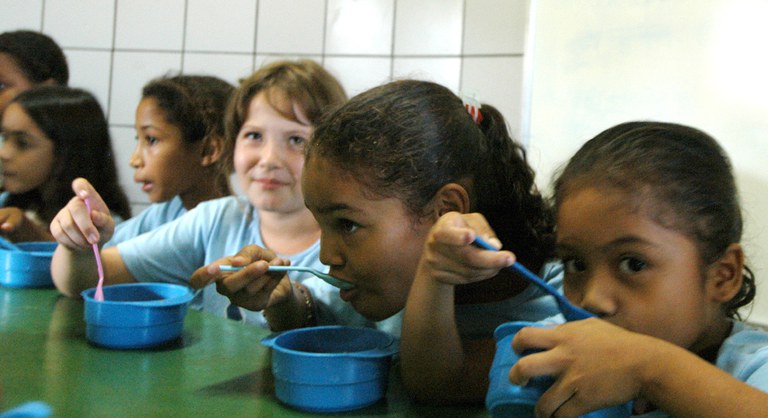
x=256 y=136
x=573 y=265
x=631 y=265
x=297 y=141
x=151 y=140
x=347 y=226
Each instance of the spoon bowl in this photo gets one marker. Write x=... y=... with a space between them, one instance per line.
x=333 y=281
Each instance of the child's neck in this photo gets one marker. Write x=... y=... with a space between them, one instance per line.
x=206 y=189
x=288 y=233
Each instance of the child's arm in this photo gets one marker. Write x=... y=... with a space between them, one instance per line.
x=15 y=225
x=286 y=304
x=73 y=266
x=438 y=367
x=599 y=364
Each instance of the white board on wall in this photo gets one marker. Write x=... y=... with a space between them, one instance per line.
x=596 y=63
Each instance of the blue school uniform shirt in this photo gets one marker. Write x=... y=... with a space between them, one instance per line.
x=479 y=320
x=150 y=218
x=212 y=230
x=743 y=355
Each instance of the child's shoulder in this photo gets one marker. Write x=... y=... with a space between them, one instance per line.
x=744 y=354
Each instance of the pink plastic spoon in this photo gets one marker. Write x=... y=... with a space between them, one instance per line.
x=99 y=295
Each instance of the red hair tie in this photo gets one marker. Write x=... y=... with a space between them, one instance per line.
x=473 y=108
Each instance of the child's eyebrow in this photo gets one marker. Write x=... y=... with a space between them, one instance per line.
x=335 y=208
x=625 y=240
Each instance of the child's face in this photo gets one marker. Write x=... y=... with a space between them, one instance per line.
x=12 y=81
x=373 y=244
x=623 y=266
x=26 y=153
x=269 y=157
x=165 y=166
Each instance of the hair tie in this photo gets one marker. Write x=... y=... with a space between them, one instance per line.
x=473 y=108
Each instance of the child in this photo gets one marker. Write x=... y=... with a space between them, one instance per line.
x=182 y=153
x=52 y=135
x=28 y=59
x=648 y=228
x=382 y=169
x=271 y=115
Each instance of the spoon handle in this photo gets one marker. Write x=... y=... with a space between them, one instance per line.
x=570 y=311
x=99 y=295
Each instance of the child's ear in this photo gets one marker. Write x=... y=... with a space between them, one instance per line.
x=213 y=146
x=452 y=197
x=725 y=276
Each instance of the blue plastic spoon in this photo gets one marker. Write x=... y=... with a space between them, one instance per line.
x=570 y=311
x=333 y=281
x=8 y=245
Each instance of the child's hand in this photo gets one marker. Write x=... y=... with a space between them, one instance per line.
x=16 y=227
x=450 y=257
x=10 y=219
x=253 y=287
x=597 y=365
x=77 y=229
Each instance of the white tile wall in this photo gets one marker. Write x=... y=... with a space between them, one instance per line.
x=359 y=27
x=80 y=23
x=150 y=24
x=21 y=14
x=233 y=22
x=290 y=27
x=495 y=26
x=428 y=27
x=115 y=46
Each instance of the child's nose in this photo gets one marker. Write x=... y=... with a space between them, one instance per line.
x=271 y=154
x=597 y=296
x=5 y=151
x=135 y=160
x=330 y=253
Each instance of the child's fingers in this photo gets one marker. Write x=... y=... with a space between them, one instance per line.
x=65 y=228
x=84 y=190
x=544 y=363
x=252 y=253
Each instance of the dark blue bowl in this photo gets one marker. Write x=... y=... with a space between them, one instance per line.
x=136 y=315
x=30 y=266
x=331 y=368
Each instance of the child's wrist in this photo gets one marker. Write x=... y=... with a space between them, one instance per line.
x=296 y=312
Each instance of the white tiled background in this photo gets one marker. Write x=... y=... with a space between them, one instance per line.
x=115 y=46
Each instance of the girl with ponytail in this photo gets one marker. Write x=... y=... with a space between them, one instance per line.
x=379 y=173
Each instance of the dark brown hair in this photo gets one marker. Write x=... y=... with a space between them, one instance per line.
x=408 y=138
x=681 y=170
x=196 y=105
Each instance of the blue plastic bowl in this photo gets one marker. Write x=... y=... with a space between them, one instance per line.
x=331 y=368
x=507 y=400
x=30 y=267
x=136 y=315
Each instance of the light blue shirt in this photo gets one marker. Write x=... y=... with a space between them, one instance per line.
x=150 y=218
x=743 y=355
x=215 y=229
x=479 y=320
x=532 y=304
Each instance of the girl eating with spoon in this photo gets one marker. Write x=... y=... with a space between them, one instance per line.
x=379 y=172
x=271 y=115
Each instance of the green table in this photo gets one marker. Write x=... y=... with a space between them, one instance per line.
x=217 y=368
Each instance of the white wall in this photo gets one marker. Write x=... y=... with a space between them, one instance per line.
x=115 y=46
x=597 y=63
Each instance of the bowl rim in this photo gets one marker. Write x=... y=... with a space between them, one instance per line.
x=390 y=347
x=183 y=298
